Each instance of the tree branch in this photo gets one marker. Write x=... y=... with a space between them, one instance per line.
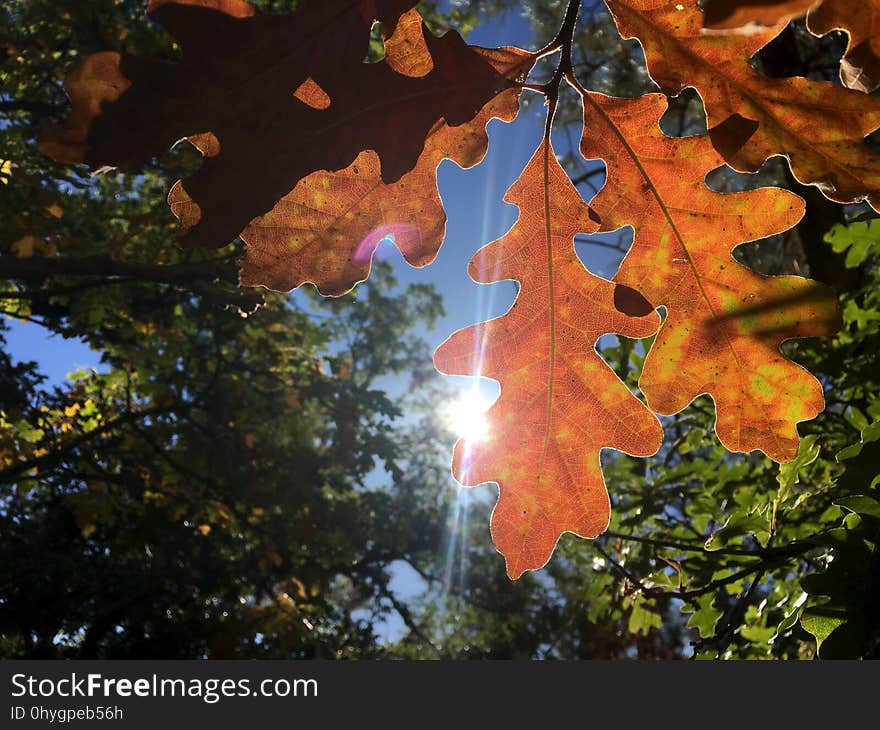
x=198 y=278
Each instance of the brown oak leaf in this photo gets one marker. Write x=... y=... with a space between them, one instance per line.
x=860 y=19
x=731 y=14
x=296 y=98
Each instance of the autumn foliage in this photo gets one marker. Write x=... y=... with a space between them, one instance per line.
x=560 y=403
x=302 y=160
x=313 y=156
x=859 y=19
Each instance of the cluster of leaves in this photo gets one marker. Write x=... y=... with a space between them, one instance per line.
x=722 y=536
x=330 y=161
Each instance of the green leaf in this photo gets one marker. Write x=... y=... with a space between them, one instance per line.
x=808 y=452
x=660 y=579
x=741 y=523
x=861 y=504
x=758 y=634
x=641 y=618
x=839 y=635
x=820 y=624
x=793 y=616
x=870 y=434
x=29 y=433
x=705 y=617
x=859 y=240
x=693 y=441
x=862 y=461
x=855 y=418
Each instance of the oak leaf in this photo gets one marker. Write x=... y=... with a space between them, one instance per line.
x=752 y=117
x=326 y=230
x=724 y=322
x=560 y=403
x=732 y=14
x=296 y=98
x=860 y=19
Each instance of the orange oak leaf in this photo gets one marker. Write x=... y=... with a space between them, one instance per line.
x=860 y=19
x=860 y=66
x=294 y=99
x=560 y=403
x=730 y=14
x=724 y=322
x=752 y=117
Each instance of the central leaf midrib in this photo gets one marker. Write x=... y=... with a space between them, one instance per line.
x=548 y=232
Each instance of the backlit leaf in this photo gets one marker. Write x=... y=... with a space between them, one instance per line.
x=326 y=230
x=860 y=19
x=26 y=246
x=641 y=618
x=752 y=117
x=705 y=615
x=859 y=240
x=788 y=473
x=861 y=504
x=724 y=322
x=729 y=14
x=739 y=524
x=560 y=403
x=295 y=100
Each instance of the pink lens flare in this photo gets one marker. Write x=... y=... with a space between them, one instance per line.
x=364 y=251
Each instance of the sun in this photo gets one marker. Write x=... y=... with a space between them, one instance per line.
x=466 y=416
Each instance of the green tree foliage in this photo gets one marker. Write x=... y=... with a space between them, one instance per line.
x=241 y=486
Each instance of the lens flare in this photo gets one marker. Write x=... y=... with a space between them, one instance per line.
x=386 y=233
